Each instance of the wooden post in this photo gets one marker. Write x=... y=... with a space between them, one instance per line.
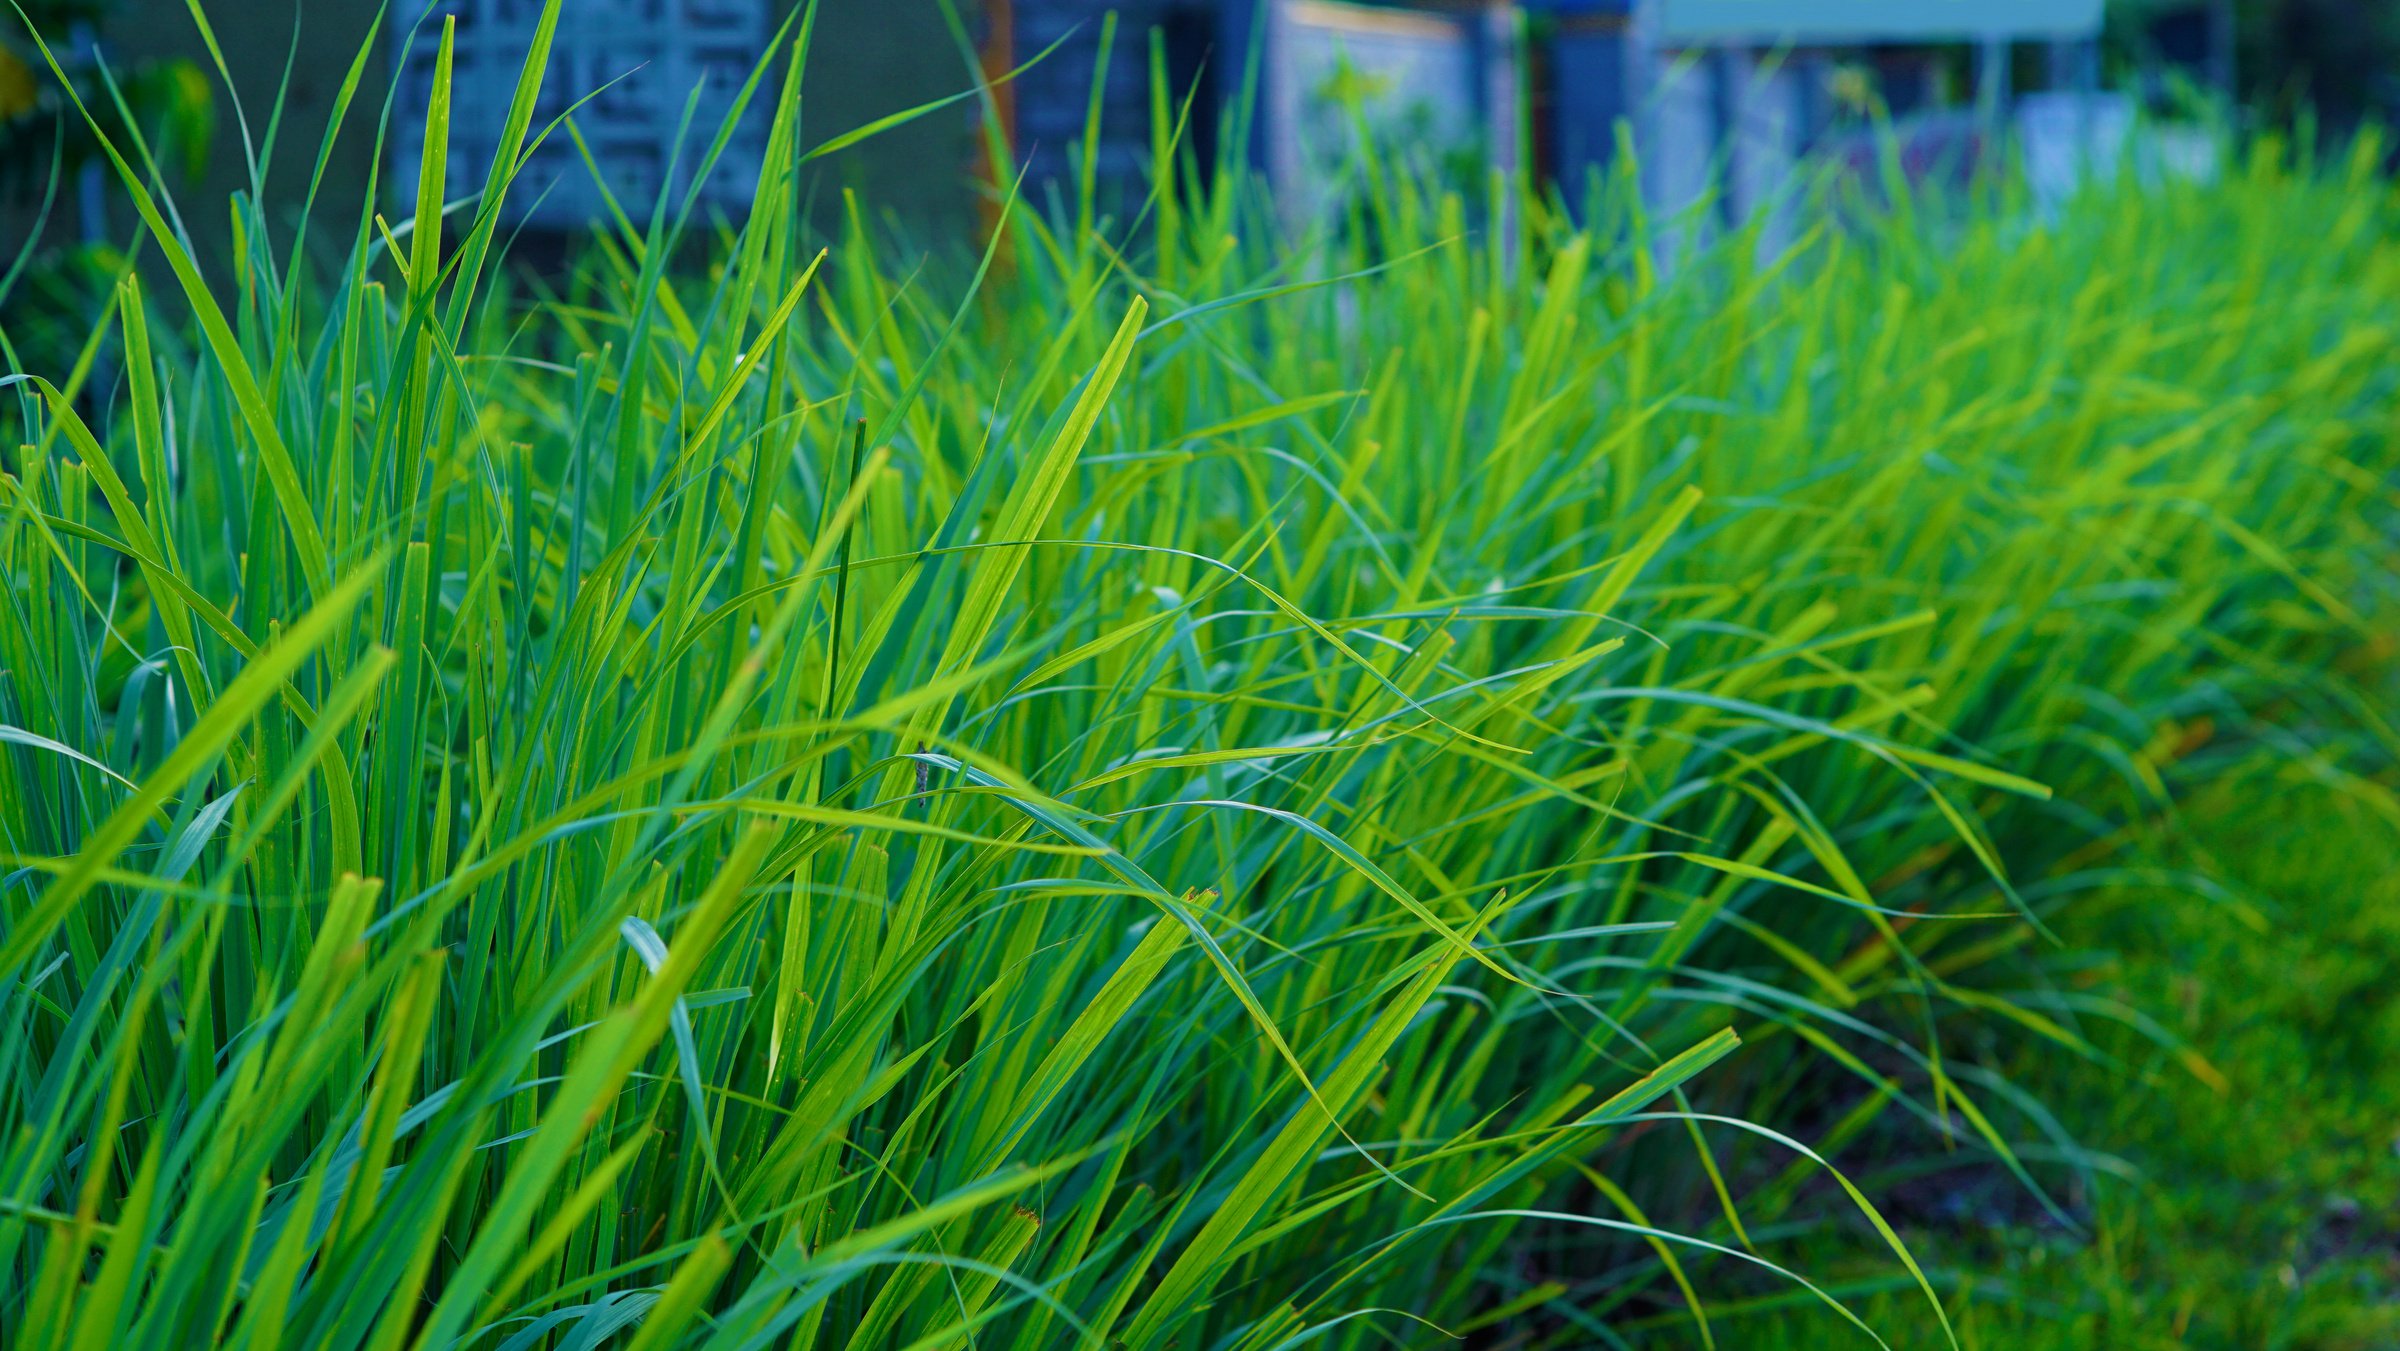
x=997 y=58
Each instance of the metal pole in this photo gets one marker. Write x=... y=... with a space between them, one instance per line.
x=2224 y=44
x=1813 y=113
x=1497 y=91
x=1992 y=79
x=1237 y=23
x=2074 y=65
x=1726 y=65
x=1501 y=94
x=1640 y=56
x=1992 y=95
x=1279 y=101
x=91 y=204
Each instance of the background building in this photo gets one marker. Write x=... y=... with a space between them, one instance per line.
x=1725 y=94
x=870 y=59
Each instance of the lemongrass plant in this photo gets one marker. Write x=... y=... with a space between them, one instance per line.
x=1174 y=785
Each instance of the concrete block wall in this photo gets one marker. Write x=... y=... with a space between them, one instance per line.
x=1053 y=98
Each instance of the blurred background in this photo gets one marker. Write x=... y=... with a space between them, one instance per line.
x=1726 y=94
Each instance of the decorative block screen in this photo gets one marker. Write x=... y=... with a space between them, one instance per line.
x=1409 y=79
x=644 y=57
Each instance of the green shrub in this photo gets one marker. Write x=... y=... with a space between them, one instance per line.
x=1222 y=792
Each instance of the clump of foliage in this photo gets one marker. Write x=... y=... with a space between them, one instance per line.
x=1178 y=788
x=56 y=260
x=41 y=135
x=2328 y=64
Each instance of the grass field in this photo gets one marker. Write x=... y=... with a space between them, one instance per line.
x=2260 y=1216
x=1179 y=787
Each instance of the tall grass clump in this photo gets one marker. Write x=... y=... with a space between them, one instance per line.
x=1172 y=787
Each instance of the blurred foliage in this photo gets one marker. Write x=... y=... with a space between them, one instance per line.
x=2336 y=60
x=169 y=101
x=2341 y=57
x=51 y=283
x=45 y=317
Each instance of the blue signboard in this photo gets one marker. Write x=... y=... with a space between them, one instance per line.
x=1873 y=21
